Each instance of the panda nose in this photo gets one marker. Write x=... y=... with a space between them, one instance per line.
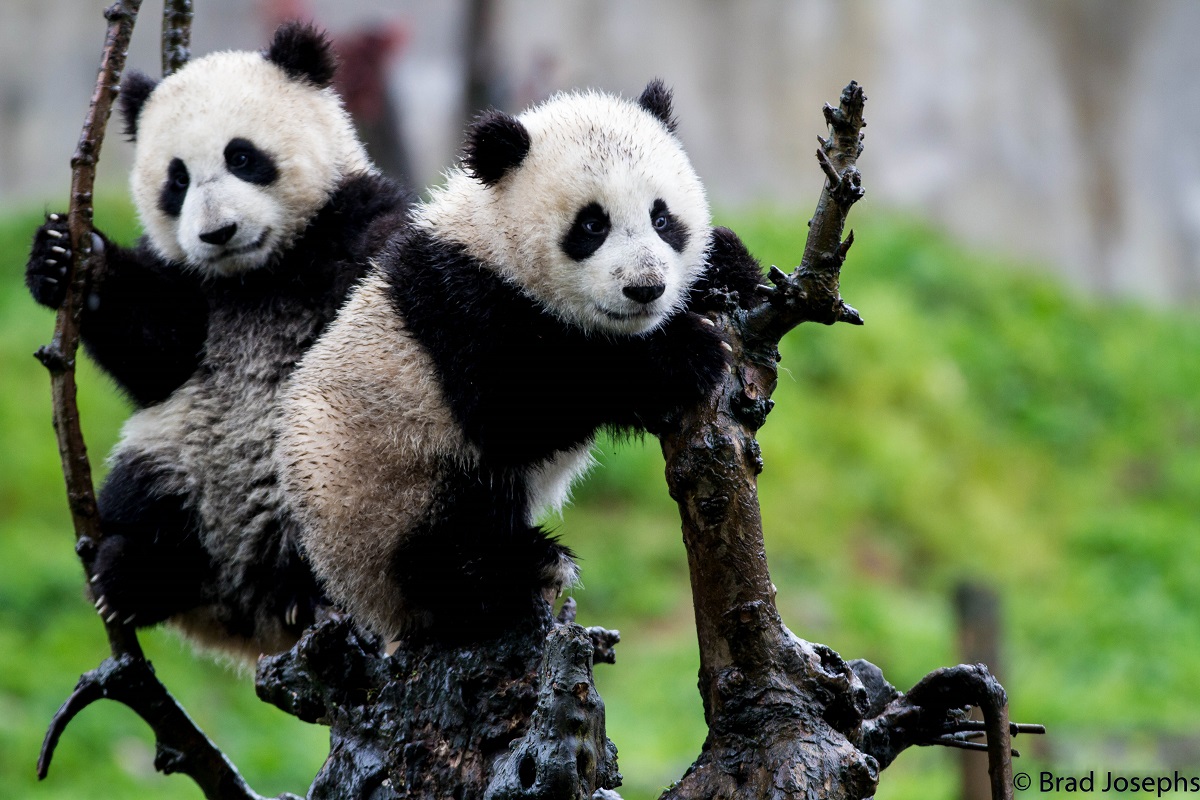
x=220 y=235
x=644 y=294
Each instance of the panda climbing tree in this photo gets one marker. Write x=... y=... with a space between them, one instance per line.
x=513 y=713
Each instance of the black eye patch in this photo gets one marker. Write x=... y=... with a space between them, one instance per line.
x=170 y=199
x=587 y=232
x=667 y=226
x=247 y=162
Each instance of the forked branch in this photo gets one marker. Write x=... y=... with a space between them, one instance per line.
x=787 y=718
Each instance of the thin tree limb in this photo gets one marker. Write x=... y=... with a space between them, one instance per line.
x=176 y=34
x=59 y=356
x=811 y=292
x=180 y=746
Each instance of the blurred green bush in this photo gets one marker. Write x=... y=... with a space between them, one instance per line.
x=985 y=424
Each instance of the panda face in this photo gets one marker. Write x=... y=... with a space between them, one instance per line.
x=602 y=220
x=233 y=157
x=224 y=209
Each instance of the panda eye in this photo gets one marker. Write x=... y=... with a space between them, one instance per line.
x=667 y=226
x=587 y=232
x=247 y=162
x=170 y=199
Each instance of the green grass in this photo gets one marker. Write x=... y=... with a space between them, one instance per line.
x=985 y=424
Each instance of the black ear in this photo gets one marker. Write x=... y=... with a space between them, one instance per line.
x=304 y=53
x=135 y=90
x=656 y=98
x=496 y=143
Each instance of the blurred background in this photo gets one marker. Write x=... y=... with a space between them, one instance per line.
x=1003 y=464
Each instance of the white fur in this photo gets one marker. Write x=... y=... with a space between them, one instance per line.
x=550 y=482
x=193 y=114
x=586 y=147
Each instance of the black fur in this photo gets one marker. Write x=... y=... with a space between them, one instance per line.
x=587 y=232
x=135 y=90
x=468 y=568
x=668 y=227
x=496 y=143
x=152 y=325
x=150 y=563
x=144 y=320
x=249 y=163
x=656 y=98
x=174 y=188
x=304 y=53
x=733 y=275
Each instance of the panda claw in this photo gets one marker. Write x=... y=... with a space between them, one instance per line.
x=55 y=217
x=99 y=602
x=57 y=249
x=111 y=618
x=52 y=233
x=708 y=322
x=129 y=620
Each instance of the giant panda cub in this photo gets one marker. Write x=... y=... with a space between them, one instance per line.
x=259 y=206
x=545 y=292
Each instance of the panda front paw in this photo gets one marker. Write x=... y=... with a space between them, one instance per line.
x=684 y=363
x=732 y=277
x=46 y=271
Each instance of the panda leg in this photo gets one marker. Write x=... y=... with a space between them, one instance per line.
x=476 y=565
x=150 y=563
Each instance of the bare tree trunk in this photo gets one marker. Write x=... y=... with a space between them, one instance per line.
x=779 y=709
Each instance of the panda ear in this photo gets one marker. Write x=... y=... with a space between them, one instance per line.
x=304 y=53
x=656 y=98
x=135 y=90
x=496 y=143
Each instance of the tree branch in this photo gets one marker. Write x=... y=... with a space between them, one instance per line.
x=59 y=356
x=811 y=292
x=934 y=712
x=176 y=35
x=179 y=744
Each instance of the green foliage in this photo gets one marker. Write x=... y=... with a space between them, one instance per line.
x=985 y=424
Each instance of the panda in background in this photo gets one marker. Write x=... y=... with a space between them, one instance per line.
x=546 y=292
x=260 y=207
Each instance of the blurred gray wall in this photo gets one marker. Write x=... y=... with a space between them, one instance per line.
x=1064 y=131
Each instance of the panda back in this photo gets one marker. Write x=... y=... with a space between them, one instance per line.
x=363 y=431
